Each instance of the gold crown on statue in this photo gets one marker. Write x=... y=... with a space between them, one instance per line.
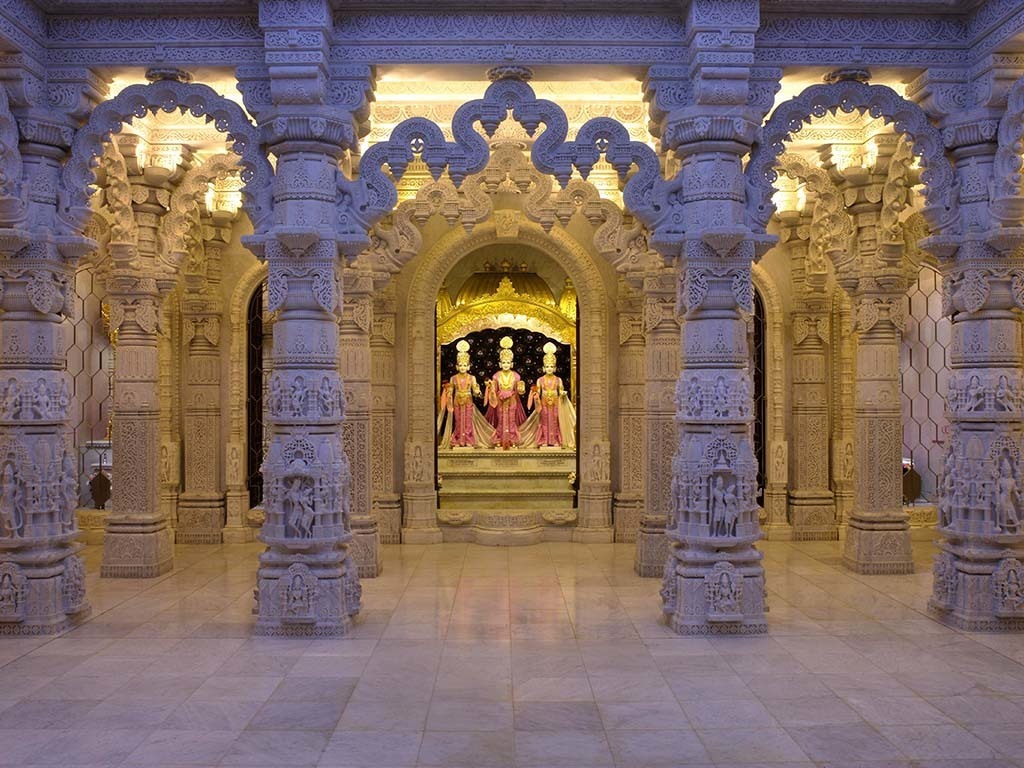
x=505 y=356
x=462 y=358
x=549 y=354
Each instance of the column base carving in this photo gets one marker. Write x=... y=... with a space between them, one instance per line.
x=237 y=530
x=651 y=547
x=775 y=524
x=136 y=550
x=593 y=535
x=626 y=512
x=422 y=535
x=46 y=590
x=365 y=547
x=813 y=518
x=387 y=511
x=303 y=593
x=92 y=524
x=714 y=592
x=878 y=547
x=200 y=519
x=977 y=585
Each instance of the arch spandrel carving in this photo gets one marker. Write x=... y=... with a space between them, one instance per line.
x=907 y=118
x=366 y=201
x=12 y=207
x=185 y=201
x=138 y=101
x=1008 y=191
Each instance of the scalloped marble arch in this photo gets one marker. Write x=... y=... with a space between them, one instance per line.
x=366 y=200
x=425 y=283
x=12 y=207
x=1008 y=198
x=184 y=200
x=137 y=101
x=941 y=209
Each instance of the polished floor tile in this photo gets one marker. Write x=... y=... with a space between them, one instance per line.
x=535 y=657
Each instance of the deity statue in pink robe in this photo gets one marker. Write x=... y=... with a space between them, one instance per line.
x=505 y=410
x=545 y=396
x=463 y=389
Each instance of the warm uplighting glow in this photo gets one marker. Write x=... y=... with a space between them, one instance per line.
x=791 y=195
x=224 y=195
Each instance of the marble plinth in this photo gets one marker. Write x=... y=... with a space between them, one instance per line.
x=507 y=498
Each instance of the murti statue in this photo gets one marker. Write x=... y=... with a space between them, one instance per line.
x=545 y=395
x=458 y=399
x=505 y=410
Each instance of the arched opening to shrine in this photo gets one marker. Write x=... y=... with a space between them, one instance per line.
x=506 y=359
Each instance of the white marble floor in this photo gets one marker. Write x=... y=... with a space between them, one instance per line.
x=545 y=656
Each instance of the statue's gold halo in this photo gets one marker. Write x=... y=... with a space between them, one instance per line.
x=506 y=342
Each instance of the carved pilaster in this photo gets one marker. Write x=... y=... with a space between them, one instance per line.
x=354 y=358
x=661 y=369
x=631 y=458
x=386 y=502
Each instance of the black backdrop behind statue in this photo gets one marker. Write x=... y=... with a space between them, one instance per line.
x=527 y=346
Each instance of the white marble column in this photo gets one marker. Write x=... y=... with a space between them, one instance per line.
x=811 y=506
x=714 y=581
x=878 y=532
x=42 y=578
x=979 y=571
x=308 y=581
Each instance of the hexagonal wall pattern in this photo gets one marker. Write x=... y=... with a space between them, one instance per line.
x=925 y=375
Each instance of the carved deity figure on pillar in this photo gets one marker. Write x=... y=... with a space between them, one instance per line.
x=549 y=399
x=457 y=401
x=505 y=410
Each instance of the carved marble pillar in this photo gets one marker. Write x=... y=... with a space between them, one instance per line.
x=878 y=535
x=42 y=578
x=811 y=506
x=139 y=540
x=661 y=369
x=714 y=580
x=307 y=582
x=354 y=355
x=386 y=502
x=979 y=571
x=631 y=461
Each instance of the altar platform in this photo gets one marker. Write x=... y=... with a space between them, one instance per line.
x=506 y=497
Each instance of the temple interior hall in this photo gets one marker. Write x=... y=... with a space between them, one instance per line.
x=388 y=384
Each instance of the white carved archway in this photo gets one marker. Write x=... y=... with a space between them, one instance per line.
x=579 y=265
x=249 y=283
x=185 y=200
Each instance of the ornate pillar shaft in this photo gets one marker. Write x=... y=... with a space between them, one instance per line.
x=811 y=506
x=307 y=582
x=714 y=581
x=661 y=369
x=843 y=346
x=354 y=361
x=979 y=571
x=878 y=536
x=138 y=542
x=42 y=578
